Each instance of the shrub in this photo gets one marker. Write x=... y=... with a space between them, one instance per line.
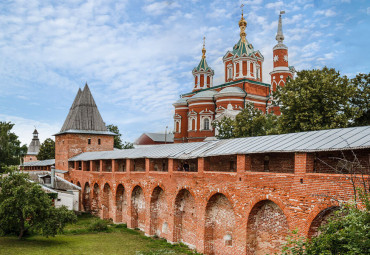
x=98 y=225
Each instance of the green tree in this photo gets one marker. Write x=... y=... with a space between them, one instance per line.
x=249 y=122
x=128 y=145
x=315 y=100
x=225 y=128
x=362 y=99
x=118 y=144
x=47 y=150
x=117 y=139
x=24 y=207
x=11 y=151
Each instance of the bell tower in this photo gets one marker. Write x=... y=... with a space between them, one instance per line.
x=281 y=70
x=203 y=74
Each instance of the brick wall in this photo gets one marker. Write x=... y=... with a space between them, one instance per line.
x=242 y=212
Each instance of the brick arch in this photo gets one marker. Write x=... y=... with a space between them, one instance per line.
x=95 y=202
x=223 y=192
x=158 y=211
x=120 y=203
x=138 y=207
x=273 y=199
x=267 y=227
x=219 y=225
x=185 y=218
x=86 y=202
x=107 y=202
x=318 y=217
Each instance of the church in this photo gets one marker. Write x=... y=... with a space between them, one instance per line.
x=195 y=111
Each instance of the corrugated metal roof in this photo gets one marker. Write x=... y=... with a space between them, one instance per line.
x=160 y=137
x=323 y=140
x=47 y=162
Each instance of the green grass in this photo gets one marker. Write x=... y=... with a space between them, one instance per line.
x=78 y=239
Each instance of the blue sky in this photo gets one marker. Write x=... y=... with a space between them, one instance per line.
x=137 y=56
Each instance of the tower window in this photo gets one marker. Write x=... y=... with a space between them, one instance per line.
x=206 y=124
x=89 y=141
x=99 y=141
x=229 y=73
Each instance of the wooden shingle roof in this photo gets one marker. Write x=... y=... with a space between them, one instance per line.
x=84 y=115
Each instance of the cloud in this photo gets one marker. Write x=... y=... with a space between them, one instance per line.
x=24 y=127
x=158 y=8
x=326 y=13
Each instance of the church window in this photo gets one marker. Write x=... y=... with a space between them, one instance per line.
x=89 y=141
x=193 y=124
x=99 y=141
x=258 y=72
x=237 y=68
x=244 y=68
x=229 y=73
x=208 y=80
x=196 y=79
x=206 y=124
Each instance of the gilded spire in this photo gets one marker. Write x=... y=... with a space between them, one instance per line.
x=204 y=48
x=279 y=36
x=242 y=25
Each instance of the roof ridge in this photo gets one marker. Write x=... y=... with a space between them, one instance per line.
x=84 y=113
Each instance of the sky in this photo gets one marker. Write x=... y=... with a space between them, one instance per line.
x=137 y=56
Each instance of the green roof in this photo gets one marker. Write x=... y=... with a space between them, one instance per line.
x=203 y=65
x=243 y=48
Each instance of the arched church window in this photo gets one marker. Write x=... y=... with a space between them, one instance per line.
x=229 y=73
x=193 y=124
x=206 y=124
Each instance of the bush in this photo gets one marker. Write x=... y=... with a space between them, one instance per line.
x=99 y=225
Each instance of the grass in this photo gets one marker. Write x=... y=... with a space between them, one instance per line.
x=78 y=239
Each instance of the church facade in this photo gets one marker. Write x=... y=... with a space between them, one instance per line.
x=243 y=66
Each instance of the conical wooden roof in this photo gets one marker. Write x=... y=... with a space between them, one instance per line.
x=84 y=114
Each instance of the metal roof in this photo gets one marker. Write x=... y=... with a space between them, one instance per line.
x=47 y=162
x=160 y=137
x=323 y=140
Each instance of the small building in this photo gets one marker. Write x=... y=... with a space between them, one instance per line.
x=33 y=148
x=154 y=138
x=68 y=194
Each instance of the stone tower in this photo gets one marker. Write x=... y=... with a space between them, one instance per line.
x=281 y=70
x=33 y=148
x=83 y=130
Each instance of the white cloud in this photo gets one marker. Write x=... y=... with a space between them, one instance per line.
x=326 y=13
x=23 y=128
x=158 y=8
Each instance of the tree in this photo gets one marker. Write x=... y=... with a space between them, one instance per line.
x=47 y=150
x=117 y=139
x=362 y=99
x=347 y=231
x=249 y=122
x=118 y=144
x=224 y=127
x=316 y=100
x=11 y=151
x=128 y=145
x=24 y=206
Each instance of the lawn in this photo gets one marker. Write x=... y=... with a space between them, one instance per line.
x=78 y=239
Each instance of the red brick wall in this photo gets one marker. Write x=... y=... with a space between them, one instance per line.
x=205 y=209
x=29 y=158
x=70 y=145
